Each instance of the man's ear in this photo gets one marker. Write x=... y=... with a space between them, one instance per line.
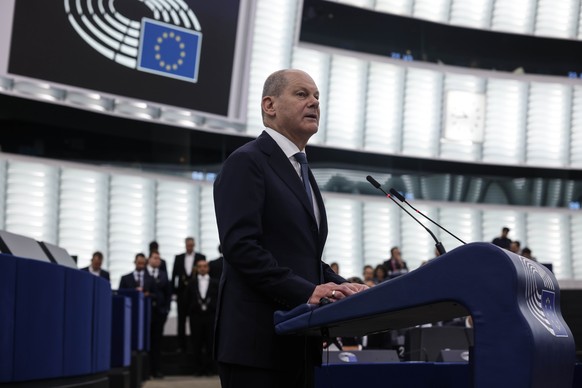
x=268 y=106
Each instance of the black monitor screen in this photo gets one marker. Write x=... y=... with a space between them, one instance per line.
x=178 y=53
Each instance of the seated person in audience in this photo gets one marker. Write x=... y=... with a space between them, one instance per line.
x=380 y=274
x=368 y=274
x=526 y=252
x=515 y=247
x=335 y=267
x=395 y=265
x=502 y=241
x=355 y=279
x=95 y=266
x=139 y=279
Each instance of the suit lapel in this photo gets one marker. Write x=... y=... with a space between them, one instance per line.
x=282 y=167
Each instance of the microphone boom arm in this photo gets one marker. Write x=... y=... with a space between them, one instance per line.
x=439 y=246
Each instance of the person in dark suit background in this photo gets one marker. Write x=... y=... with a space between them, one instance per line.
x=184 y=266
x=503 y=241
x=161 y=297
x=138 y=279
x=95 y=266
x=203 y=294
x=155 y=247
x=216 y=265
x=272 y=227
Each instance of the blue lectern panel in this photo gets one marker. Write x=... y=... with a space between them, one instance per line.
x=138 y=317
x=514 y=302
x=40 y=311
x=78 y=322
x=102 y=324
x=7 y=307
x=121 y=332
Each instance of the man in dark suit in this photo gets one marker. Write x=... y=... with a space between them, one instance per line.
x=161 y=297
x=138 y=279
x=155 y=247
x=272 y=226
x=203 y=293
x=184 y=266
x=95 y=266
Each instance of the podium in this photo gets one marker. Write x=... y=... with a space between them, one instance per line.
x=520 y=337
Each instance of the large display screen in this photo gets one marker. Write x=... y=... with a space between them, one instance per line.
x=180 y=53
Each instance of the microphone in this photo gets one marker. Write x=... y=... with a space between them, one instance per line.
x=439 y=246
x=402 y=199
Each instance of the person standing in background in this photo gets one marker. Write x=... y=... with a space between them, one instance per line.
x=184 y=266
x=95 y=266
x=203 y=293
x=139 y=279
x=503 y=241
x=161 y=298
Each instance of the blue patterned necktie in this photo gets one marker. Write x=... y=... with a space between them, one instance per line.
x=302 y=159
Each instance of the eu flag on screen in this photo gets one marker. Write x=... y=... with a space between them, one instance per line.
x=549 y=308
x=169 y=50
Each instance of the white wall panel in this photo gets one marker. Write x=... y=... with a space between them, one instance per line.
x=384 y=107
x=548 y=237
x=433 y=10
x=557 y=19
x=131 y=222
x=344 y=242
x=514 y=16
x=505 y=121
x=397 y=7
x=83 y=214
x=576 y=128
x=32 y=195
x=471 y=13
x=209 y=240
x=177 y=217
x=422 y=112
x=463 y=222
x=347 y=96
x=416 y=244
x=548 y=123
x=576 y=244
x=380 y=230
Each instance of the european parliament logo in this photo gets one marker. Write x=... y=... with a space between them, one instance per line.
x=150 y=45
x=540 y=297
x=168 y=50
x=548 y=305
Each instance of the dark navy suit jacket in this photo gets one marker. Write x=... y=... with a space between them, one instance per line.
x=272 y=251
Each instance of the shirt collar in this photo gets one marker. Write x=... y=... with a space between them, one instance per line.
x=288 y=147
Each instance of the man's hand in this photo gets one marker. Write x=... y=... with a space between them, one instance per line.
x=334 y=292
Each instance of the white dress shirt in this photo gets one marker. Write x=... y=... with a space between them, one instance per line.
x=203 y=281
x=290 y=149
x=188 y=263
